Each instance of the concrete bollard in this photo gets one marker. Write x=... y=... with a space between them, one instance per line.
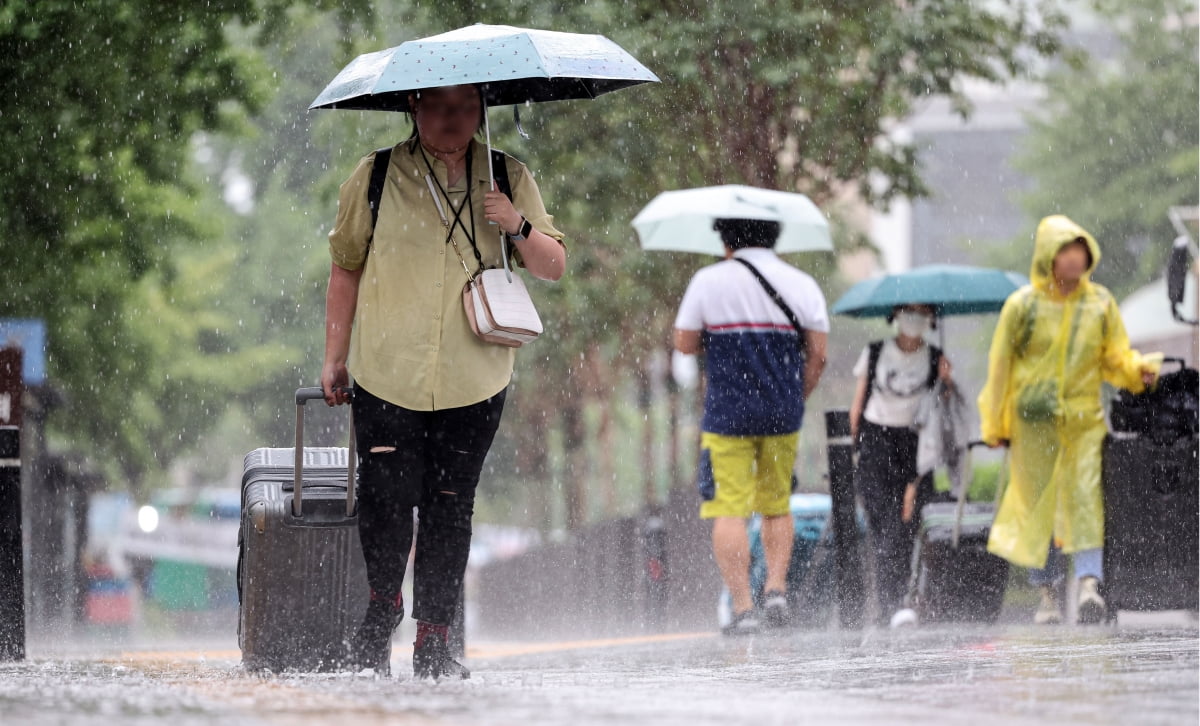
x=849 y=593
x=12 y=567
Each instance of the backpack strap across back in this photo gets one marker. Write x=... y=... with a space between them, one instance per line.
x=874 y=348
x=379 y=169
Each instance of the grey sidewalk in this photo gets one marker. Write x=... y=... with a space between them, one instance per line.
x=982 y=675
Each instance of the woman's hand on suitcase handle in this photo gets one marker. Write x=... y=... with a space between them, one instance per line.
x=335 y=382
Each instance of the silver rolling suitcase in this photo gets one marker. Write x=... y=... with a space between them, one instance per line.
x=302 y=581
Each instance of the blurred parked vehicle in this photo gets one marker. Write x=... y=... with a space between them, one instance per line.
x=181 y=548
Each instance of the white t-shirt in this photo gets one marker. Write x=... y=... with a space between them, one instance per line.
x=754 y=371
x=900 y=381
x=727 y=295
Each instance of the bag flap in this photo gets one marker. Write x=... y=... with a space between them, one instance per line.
x=508 y=302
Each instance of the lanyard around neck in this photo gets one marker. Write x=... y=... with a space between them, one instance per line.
x=438 y=192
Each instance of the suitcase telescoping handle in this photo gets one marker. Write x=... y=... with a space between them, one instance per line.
x=303 y=396
x=1001 y=476
x=1177 y=361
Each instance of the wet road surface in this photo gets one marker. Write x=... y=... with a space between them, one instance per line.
x=976 y=675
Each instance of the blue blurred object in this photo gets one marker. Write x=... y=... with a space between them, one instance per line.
x=30 y=336
x=951 y=289
x=810 y=572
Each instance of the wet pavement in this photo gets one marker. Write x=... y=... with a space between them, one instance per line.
x=981 y=675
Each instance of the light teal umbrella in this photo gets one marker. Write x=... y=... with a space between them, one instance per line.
x=512 y=65
x=683 y=220
x=950 y=289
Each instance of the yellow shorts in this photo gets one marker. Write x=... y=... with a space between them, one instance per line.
x=740 y=475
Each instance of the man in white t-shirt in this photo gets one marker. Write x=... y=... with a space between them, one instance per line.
x=764 y=339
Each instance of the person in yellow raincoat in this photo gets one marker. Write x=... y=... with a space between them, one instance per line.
x=1057 y=340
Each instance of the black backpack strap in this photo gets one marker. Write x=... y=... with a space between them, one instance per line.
x=935 y=358
x=775 y=296
x=379 y=169
x=873 y=350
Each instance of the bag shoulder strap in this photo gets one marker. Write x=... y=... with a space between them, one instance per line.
x=874 y=348
x=778 y=299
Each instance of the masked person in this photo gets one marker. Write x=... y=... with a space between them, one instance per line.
x=893 y=376
x=428 y=393
x=1057 y=340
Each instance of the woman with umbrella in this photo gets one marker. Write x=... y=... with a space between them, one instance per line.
x=428 y=392
x=893 y=376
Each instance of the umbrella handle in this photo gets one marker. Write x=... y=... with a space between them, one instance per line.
x=487 y=133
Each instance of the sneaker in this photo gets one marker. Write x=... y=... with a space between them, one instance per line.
x=904 y=618
x=1049 y=612
x=1092 y=609
x=742 y=624
x=371 y=646
x=431 y=654
x=776 y=613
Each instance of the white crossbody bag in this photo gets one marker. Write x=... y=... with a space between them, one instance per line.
x=497 y=304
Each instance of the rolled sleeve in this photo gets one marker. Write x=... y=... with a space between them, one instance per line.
x=350 y=237
x=527 y=199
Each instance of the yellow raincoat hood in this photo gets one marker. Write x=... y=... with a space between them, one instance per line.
x=1049 y=356
x=1054 y=233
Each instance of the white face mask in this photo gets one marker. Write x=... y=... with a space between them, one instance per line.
x=912 y=325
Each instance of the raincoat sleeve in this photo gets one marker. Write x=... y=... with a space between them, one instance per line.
x=994 y=417
x=1121 y=365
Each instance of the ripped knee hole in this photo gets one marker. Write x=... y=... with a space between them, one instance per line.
x=383 y=449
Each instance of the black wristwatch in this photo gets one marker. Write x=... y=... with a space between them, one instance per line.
x=522 y=233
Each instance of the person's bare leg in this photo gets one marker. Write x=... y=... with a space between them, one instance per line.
x=777 y=536
x=731 y=548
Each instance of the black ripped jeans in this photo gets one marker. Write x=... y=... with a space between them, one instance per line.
x=431 y=461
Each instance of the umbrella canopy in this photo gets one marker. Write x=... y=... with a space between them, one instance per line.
x=513 y=65
x=683 y=220
x=951 y=289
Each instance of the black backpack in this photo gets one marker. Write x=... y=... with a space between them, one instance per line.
x=873 y=351
x=379 y=176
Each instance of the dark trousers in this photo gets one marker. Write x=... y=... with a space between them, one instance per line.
x=430 y=460
x=887 y=462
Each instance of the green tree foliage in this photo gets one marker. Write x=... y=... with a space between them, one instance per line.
x=170 y=314
x=1117 y=145
x=101 y=101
